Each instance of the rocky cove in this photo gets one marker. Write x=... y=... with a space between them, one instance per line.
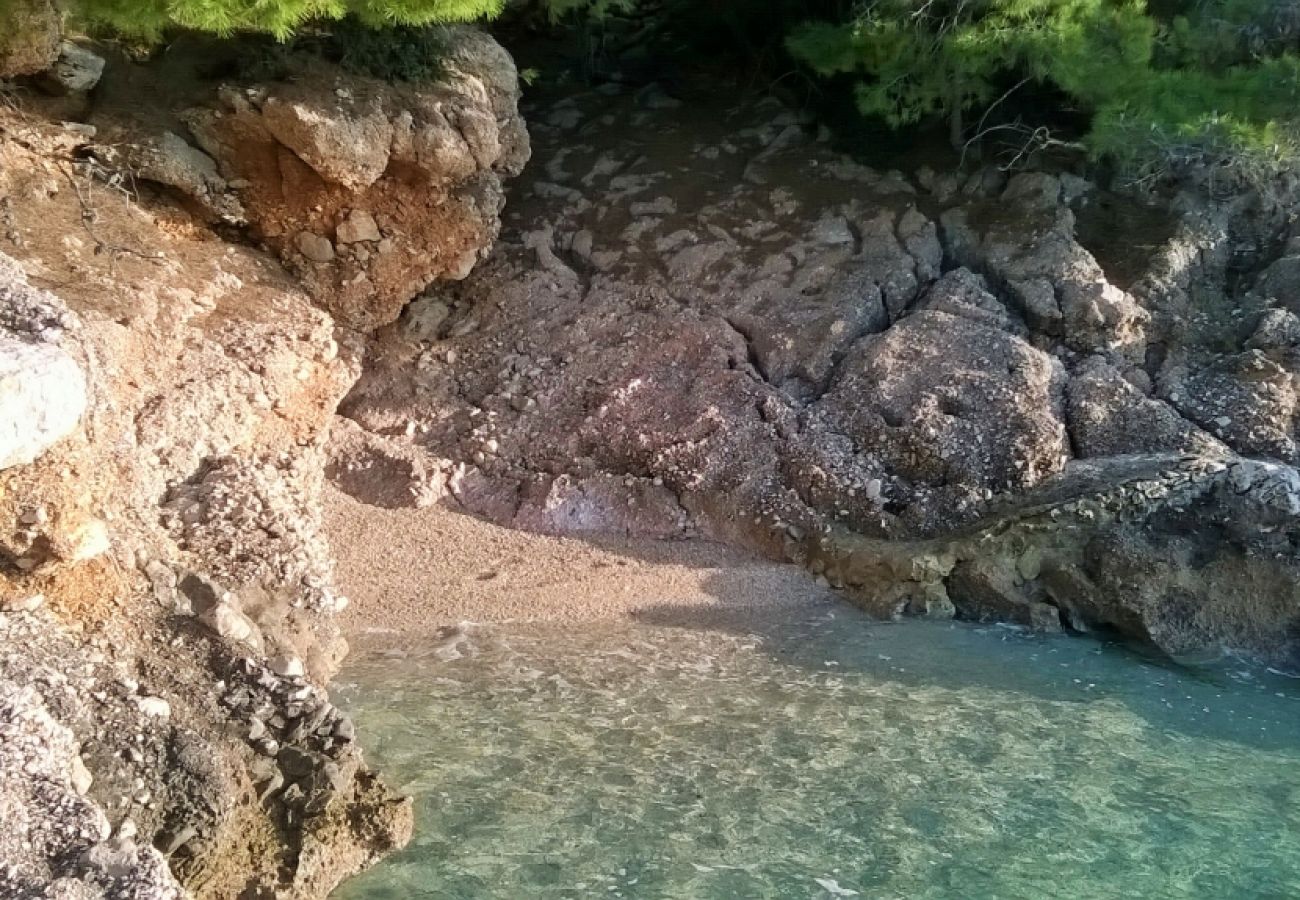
x=257 y=328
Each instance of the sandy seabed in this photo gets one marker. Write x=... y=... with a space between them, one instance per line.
x=410 y=570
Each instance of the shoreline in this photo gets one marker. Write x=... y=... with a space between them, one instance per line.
x=416 y=570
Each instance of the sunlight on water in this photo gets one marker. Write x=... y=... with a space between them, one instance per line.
x=830 y=758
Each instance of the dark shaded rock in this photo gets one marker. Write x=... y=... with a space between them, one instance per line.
x=1025 y=242
x=1248 y=401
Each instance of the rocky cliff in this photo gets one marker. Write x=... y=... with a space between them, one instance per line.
x=166 y=389
x=993 y=396
x=1015 y=398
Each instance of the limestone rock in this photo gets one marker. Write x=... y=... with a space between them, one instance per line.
x=1281 y=282
x=76 y=71
x=961 y=292
x=42 y=398
x=954 y=406
x=226 y=621
x=154 y=706
x=335 y=153
x=358 y=226
x=315 y=247
x=424 y=318
x=286 y=666
x=27 y=311
x=1277 y=330
x=1108 y=416
x=1025 y=242
x=1247 y=400
x=346 y=142
x=171 y=160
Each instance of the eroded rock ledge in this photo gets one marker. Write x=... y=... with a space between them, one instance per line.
x=166 y=593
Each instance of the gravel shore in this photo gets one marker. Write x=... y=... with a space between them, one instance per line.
x=418 y=569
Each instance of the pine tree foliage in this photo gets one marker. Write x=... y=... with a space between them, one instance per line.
x=592 y=9
x=1220 y=81
x=149 y=18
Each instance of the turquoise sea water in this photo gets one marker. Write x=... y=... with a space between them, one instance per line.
x=827 y=757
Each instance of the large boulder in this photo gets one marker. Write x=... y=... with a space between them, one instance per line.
x=42 y=398
x=1247 y=400
x=370 y=191
x=955 y=408
x=76 y=71
x=1110 y=416
x=42 y=388
x=1214 y=575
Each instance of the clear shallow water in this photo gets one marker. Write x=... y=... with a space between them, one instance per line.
x=831 y=756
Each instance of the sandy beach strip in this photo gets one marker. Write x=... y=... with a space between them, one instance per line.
x=412 y=570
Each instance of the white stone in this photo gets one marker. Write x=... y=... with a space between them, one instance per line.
x=286 y=666
x=424 y=318
x=77 y=69
x=80 y=776
x=24 y=604
x=42 y=398
x=228 y=622
x=154 y=706
x=88 y=541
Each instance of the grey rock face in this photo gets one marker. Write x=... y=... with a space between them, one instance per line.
x=1248 y=400
x=29 y=312
x=54 y=836
x=938 y=419
x=1025 y=242
x=958 y=409
x=77 y=70
x=170 y=160
x=42 y=387
x=1110 y=417
x=42 y=398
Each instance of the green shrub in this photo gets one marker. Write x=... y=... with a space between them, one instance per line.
x=591 y=9
x=396 y=53
x=149 y=18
